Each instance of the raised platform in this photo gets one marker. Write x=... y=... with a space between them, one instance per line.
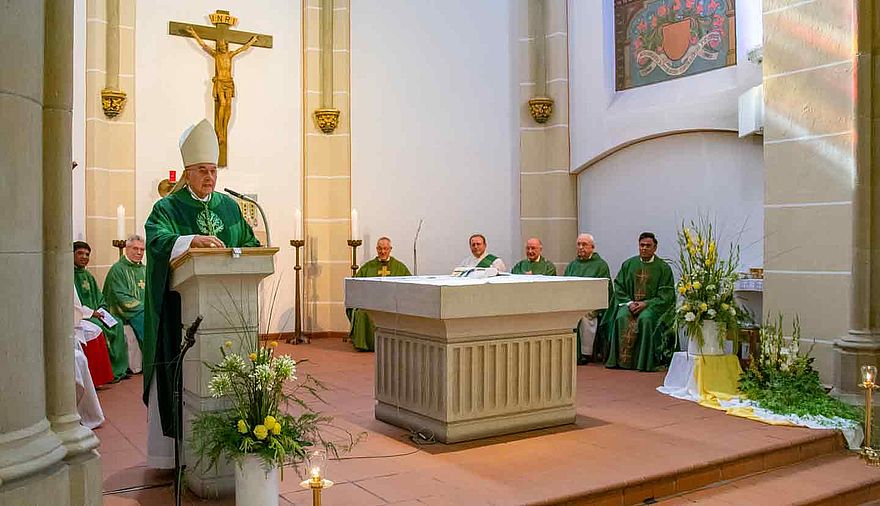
x=629 y=443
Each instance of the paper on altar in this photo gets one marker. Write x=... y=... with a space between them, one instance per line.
x=446 y=280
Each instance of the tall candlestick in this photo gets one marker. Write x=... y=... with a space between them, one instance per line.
x=355 y=226
x=297 y=224
x=120 y=222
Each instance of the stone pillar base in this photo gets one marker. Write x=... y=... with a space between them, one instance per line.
x=850 y=354
x=49 y=486
x=86 y=480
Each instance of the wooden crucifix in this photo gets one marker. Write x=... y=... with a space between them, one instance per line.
x=224 y=88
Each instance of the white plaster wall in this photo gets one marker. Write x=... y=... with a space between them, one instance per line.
x=78 y=216
x=602 y=118
x=265 y=134
x=434 y=128
x=655 y=185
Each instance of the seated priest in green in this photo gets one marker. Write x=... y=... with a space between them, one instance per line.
x=534 y=262
x=193 y=215
x=591 y=329
x=479 y=257
x=92 y=300
x=124 y=287
x=362 y=332
x=639 y=336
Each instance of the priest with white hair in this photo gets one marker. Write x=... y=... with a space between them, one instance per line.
x=193 y=215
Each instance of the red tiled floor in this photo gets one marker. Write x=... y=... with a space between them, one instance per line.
x=625 y=433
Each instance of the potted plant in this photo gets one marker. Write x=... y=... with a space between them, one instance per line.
x=706 y=308
x=255 y=432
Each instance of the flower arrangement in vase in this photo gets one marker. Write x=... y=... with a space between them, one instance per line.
x=706 y=286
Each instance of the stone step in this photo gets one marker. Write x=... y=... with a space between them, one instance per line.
x=840 y=477
x=734 y=466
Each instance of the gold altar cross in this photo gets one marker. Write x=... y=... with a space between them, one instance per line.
x=224 y=88
x=384 y=271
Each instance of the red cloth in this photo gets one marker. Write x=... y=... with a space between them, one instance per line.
x=99 y=360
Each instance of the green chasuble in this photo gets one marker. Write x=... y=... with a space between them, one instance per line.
x=176 y=215
x=124 y=293
x=542 y=266
x=594 y=267
x=91 y=296
x=642 y=342
x=362 y=330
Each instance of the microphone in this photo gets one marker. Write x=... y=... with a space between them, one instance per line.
x=259 y=207
x=190 y=336
x=415 y=240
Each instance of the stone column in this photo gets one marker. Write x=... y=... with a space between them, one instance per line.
x=548 y=190
x=31 y=471
x=861 y=345
x=326 y=164
x=808 y=168
x=58 y=344
x=110 y=158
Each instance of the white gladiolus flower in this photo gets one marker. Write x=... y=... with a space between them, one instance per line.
x=264 y=374
x=220 y=384
x=690 y=316
x=233 y=362
x=711 y=313
x=285 y=367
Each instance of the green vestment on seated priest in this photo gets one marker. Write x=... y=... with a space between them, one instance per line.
x=177 y=215
x=593 y=267
x=642 y=341
x=542 y=266
x=362 y=330
x=91 y=296
x=124 y=294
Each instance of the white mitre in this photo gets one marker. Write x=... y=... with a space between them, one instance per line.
x=198 y=144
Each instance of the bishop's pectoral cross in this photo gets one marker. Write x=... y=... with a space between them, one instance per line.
x=224 y=88
x=141 y=284
x=384 y=271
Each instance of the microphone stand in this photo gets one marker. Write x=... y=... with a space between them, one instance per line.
x=259 y=208
x=415 y=240
x=189 y=340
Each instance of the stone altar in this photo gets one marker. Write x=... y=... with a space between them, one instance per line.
x=463 y=359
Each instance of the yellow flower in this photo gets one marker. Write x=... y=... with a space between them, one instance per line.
x=697 y=285
x=273 y=344
x=704 y=306
x=724 y=306
x=269 y=421
x=682 y=289
x=228 y=344
x=242 y=427
x=252 y=356
x=261 y=432
x=276 y=429
x=685 y=307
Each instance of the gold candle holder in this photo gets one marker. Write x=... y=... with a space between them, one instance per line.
x=297 y=308
x=317 y=461
x=120 y=244
x=354 y=243
x=869 y=376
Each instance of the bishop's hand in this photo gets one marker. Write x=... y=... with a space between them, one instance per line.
x=206 y=241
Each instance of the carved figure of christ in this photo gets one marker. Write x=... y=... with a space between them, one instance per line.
x=223 y=86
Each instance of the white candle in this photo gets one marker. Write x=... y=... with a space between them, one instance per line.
x=355 y=227
x=120 y=222
x=297 y=225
